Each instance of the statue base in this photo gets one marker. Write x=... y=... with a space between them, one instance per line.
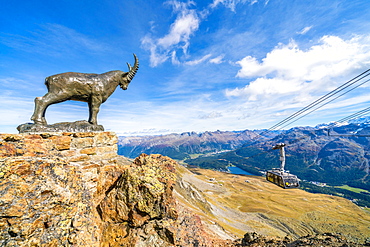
x=78 y=126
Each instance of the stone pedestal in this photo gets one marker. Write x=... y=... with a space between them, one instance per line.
x=72 y=147
x=78 y=126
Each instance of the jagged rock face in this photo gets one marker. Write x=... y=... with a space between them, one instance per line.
x=69 y=189
x=141 y=202
x=50 y=186
x=141 y=209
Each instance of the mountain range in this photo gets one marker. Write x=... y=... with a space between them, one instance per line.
x=333 y=154
x=182 y=146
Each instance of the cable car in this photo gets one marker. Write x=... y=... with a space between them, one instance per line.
x=279 y=176
x=283 y=179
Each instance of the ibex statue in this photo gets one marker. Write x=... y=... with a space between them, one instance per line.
x=91 y=88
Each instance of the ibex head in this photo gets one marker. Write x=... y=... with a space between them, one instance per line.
x=128 y=76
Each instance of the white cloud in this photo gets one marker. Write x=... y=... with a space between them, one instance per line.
x=305 y=30
x=217 y=60
x=155 y=57
x=231 y=4
x=266 y=87
x=178 y=37
x=11 y=82
x=287 y=66
x=17 y=111
x=177 y=40
x=180 y=6
x=193 y=114
x=289 y=78
x=198 y=61
x=211 y=115
x=180 y=31
x=174 y=58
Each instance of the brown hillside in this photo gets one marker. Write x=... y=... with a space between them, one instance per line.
x=234 y=204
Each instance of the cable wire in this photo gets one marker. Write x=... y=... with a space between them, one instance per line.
x=326 y=103
x=323 y=98
x=355 y=115
x=289 y=120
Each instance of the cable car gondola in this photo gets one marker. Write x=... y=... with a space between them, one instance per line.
x=279 y=176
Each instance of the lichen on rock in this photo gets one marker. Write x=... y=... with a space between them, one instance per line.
x=46 y=199
x=142 y=200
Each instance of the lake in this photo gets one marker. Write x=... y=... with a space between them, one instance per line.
x=237 y=171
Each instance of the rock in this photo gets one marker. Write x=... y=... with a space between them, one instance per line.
x=78 y=126
x=142 y=202
x=72 y=189
x=46 y=197
x=249 y=237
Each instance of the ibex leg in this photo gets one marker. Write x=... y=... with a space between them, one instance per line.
x=37 y=116
x=94 y=106
x=41 y=103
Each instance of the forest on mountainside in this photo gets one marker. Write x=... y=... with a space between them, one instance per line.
x=311 y=154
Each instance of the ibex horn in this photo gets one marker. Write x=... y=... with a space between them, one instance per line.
x=133 y=70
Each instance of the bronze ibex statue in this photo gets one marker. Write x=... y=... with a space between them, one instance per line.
x=91 y=88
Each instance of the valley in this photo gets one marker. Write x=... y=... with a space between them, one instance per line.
x=338 y=159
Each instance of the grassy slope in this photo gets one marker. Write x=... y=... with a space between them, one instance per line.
x=257 y=205
x=357 y=190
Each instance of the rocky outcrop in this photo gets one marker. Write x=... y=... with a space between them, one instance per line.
x=72 y=189
x=51 y=184
x=141 y=207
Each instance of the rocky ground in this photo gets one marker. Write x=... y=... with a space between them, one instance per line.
x=325 y=239
x=72 y=189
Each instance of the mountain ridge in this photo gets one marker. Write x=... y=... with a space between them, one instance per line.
x=181 y=146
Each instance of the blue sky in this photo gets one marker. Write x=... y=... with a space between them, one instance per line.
x=204 y=65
